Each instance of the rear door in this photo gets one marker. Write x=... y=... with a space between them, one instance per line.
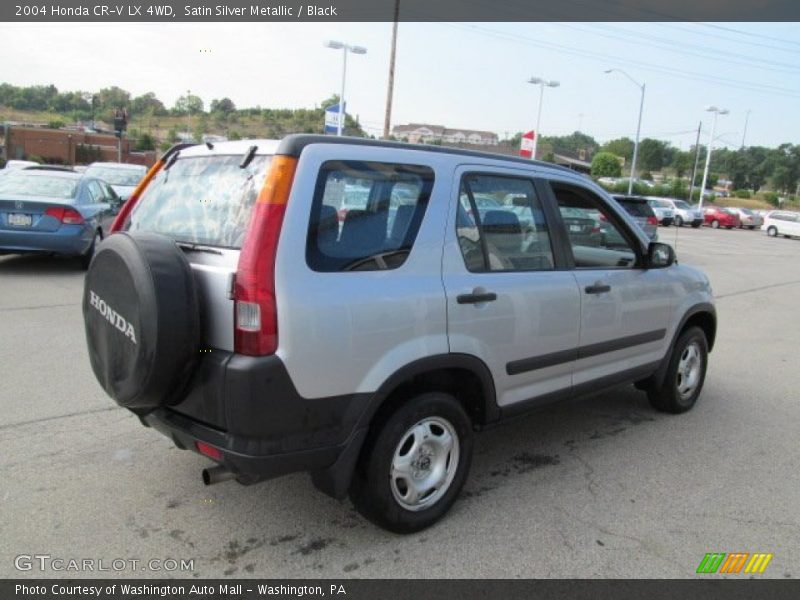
x=510 y=301
x=625 y=308
x=204 y=200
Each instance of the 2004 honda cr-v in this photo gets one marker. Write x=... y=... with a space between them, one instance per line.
x=346 y=307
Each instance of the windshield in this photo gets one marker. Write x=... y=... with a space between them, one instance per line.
x=682 y=205
x=202 y=200
x=21 y=184
x=659 y=203
x=117 y=176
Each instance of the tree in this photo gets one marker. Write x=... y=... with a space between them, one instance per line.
x=621 y=147
x=223 y=105
x=606 y=164
x=148 y=104
x=682 y=162
x=188 y=105
x=651 y=155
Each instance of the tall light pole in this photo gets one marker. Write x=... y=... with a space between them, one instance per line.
x=746 y=119
x=541 y=83
x=716 y=111
x=345 y=48
x=641 y=86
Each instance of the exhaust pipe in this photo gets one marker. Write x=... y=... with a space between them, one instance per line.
x=216 y=474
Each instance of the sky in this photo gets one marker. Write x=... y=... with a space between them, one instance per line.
x=460 y=75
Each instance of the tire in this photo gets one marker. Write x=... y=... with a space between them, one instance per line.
x=142 y=320
x=86 y=258
x=696 y=225
x=772 y=231
x=685 y=374
x=389 y=501
x=728 y=226
x=678 y=222
x=715 y=224
x=751 y=227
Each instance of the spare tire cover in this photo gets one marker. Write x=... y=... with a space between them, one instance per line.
x=141 y=314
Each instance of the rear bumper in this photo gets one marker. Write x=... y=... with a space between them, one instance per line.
x=249 y=409
x=68 y=239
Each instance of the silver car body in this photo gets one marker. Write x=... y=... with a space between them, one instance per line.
x=748 y=218
x=688 y=214
x=663 y=209
x=349 y=332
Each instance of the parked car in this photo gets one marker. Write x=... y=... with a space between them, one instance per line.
x=717 y=216
x=122 y=177
x=642 y=213
x=53 y=211
x=663 y=209
x=367 y=356
x=782 y=222
x=14 y=164
x=684 y=213
x=747 y=217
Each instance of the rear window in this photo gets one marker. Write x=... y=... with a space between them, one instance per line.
x=203 y=200
x=20 y=184
x=366 y=215
x=636 y=208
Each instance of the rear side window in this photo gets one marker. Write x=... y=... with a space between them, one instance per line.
x=366 y=215
x=203 y=200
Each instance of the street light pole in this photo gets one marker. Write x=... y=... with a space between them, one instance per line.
x=541 y=83
x=641 y=86
x=387 y=118
x=345 y=48
x=746 y=119
x=716 y=111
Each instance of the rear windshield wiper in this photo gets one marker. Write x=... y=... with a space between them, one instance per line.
x=248 y=157
x=197 y=248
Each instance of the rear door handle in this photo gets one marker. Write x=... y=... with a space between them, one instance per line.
x=476 y=298
x=597 y=288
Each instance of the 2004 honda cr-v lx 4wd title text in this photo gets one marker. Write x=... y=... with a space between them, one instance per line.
x=345 y=307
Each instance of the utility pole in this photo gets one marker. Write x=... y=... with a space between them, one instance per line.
x=696 y=158
x=387 y=119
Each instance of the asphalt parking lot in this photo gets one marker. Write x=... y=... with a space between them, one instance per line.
x=601 y=487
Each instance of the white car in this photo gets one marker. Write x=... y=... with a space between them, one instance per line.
x=685 y=214
x=663 y=209
x=121 y=176
x=782 y=222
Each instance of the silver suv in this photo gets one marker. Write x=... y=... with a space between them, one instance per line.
x=358 y=309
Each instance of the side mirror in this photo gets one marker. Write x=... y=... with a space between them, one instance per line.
x=659 y=255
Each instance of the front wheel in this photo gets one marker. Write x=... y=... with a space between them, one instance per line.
x=678 y=222
x=685 y=375
x=772 y=231
x=715 y=224
x=414 y=463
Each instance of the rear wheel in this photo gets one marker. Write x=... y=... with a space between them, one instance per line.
x=751 y=227
x=772 y=231
x=678 y=222
x=696 y=225
x=685 y=375
x=414 y=464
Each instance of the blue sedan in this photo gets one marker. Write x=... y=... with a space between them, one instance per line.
x=54 y=211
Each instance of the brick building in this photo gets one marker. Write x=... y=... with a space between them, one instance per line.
x=69 y=147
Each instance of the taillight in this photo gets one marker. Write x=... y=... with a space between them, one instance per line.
x=208 y=450
x=256 y=314
x=125 y=211
x=652 y=221
x=68 y=216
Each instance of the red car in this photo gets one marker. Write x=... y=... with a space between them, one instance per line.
x=716 y=216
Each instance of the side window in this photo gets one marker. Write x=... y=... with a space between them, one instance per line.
x=366 y=215
x=501 y=225
x=597 y=242
x=95 y=193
